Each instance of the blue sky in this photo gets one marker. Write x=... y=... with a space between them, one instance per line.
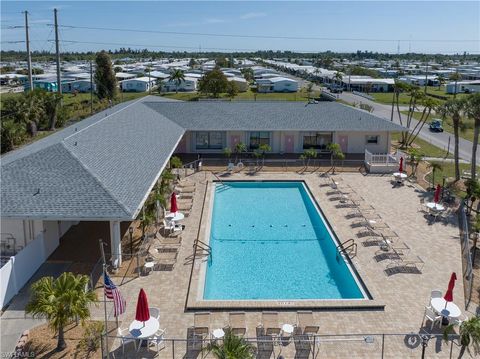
x=443 y=22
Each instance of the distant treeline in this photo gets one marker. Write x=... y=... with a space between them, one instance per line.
x=122 y=53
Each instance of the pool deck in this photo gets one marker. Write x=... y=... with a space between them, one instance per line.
x=399 y=299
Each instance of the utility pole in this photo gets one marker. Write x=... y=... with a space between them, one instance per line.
x=91 y=88
x=29 y=56
x=57 y=48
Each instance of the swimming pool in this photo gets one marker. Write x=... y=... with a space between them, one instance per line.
x=270 y=242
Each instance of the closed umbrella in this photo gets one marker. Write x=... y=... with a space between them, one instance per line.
x=143 y=313
x=173 y=203
x=436 y=197
x=451 y=284
x=400 y=168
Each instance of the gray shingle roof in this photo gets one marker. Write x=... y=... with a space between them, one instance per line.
x=100 y=168
x=273 y=115
x=104 y=167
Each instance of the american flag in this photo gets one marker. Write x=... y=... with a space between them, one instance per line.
x=112 y=292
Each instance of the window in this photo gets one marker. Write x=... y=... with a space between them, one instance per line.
x=372 y=140
x=259 y=138
x=210 y=140
x=317 y=140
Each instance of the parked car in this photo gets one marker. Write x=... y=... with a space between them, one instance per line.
x=335 y=89
x=436 y=125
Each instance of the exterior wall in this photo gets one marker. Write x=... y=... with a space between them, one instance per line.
x=42 y=239
x=285 y=86
x=357 y=142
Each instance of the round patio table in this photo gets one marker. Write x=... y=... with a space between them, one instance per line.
x=177 y=216
x=450 y=311
x=287 y=328
x=435 y=206
x=400 y=176
x=144 y=330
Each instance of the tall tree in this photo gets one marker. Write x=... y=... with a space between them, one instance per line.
x=177 y=76
x=472 y=110
x=105 y=76
x=454 y=109
x=61 y=301
x=213 y=82
x=338 y=77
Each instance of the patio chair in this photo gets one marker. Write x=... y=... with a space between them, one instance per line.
x=436 y=294
x=162 y=241
x=432 y=317
x=458 y=321
x=236 y=321
x=201 y=324
x=423 y=207
x=154 y=312
x=306 y=323
x=126 y=338
x=270 y=323
x=302 y=344
x=157 y=339
x=172 y=226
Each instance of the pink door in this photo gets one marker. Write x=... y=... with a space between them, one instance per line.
x=182 y=146
x=234 y=140
x=289 y=145
x=343 y=140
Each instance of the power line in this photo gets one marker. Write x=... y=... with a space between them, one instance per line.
x=261 y=36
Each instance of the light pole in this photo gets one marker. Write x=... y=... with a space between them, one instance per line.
x=130 y=230
x=425 y=339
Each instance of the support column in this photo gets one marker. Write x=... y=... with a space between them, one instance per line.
x=116 y=243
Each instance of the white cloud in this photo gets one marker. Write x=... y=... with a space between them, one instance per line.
x=213 y=21
x=252 y=15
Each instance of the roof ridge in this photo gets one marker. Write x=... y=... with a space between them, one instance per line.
x=120 y=203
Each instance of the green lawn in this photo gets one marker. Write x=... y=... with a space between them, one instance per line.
x=386 y=98
x=448 y=170
x=466 y=131
x=301 y=95
x=424 y=147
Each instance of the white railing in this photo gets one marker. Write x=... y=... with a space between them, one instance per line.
x=381 y=158
x=466 y=254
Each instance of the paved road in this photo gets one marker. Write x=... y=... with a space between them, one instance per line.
x=438 y=139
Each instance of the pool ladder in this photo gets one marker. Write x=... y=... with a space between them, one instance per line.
x=202 y=248
x=349 y=247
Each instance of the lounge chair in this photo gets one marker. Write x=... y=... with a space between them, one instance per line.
x=162 y=241
x=405 y=266
x=270 y=323
x=236 y=321
x=302 y=344
x=201 y=324
x=306 y=323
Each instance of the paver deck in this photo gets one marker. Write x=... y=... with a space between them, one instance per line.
x=403 y=295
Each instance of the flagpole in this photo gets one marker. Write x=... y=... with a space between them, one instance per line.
x=104 y=297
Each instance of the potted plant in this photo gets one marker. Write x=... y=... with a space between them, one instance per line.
x=469 y=332
x=231 y=347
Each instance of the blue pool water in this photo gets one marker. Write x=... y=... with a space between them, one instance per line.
x=269 y=241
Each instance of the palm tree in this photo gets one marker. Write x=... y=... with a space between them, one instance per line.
x=434 y=166
x=441 y=81
x=335 y=153
x=61 y=301
x=472 y=110
x=469 y=332
x=338 y=77
x=231 y=347
x=177 y=76
x=454 y=109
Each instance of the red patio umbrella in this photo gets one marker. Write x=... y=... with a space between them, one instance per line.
x=451 y=284
x=143 y=313
x=436 y=197
x=173 y=203
x=400 y=168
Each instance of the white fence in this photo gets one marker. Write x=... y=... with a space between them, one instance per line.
x=466 y=254
x=17 y=270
